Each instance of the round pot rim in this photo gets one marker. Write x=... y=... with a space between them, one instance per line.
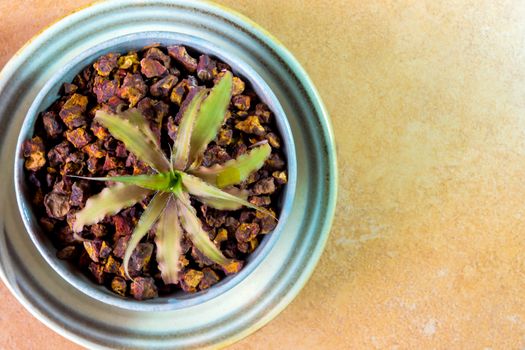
x=48 y=309
x=76 y=278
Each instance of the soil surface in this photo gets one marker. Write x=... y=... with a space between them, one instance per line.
x=67 y=141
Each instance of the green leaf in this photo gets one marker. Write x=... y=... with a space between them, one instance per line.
x=182 y=142
x=198 y=236
x=135 y=117
x=146 y=221
x=167 y=240
x=215 y=197
x=109 y=201
x=237 y=170
x=211 y=116
x=156 y=182
x=135 y=140
x=221 y=204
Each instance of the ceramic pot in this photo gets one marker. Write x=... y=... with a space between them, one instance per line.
x=62 y=297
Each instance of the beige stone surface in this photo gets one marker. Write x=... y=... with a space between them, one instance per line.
x=427 y=100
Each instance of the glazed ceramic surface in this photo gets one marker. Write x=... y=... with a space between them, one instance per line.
x=50 y=92
x=92 y=317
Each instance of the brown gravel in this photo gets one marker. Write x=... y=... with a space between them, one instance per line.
x=67 y=141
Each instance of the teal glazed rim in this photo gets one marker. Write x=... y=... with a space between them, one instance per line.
x=50 y=92
x=281 y=270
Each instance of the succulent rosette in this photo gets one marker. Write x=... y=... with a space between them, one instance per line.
x=176 y=179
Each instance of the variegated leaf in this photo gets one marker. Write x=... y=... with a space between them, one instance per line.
x=136 y=118
x=193 y=227
x=154 y=182
x=237 y=170
x=222 y=205
x=134 y=139
x=168 y=241
x=146 y=221
x=109 y=201
x=184 y=133
x=211 y=116
x=215 y=197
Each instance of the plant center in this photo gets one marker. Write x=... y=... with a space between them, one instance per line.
x=175 y=184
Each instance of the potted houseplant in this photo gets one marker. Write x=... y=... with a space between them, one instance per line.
x=278 y=268
x=216 y=143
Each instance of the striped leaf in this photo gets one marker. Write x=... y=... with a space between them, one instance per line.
x=211 y=116
x=146 y=221
x=146 y=149
x=237 y=170
x=109 y=201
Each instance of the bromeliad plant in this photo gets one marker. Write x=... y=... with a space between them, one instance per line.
x=175 y=180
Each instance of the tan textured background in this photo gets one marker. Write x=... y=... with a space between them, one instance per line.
x=428 y=104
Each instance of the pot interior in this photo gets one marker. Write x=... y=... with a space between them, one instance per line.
x=50 y=93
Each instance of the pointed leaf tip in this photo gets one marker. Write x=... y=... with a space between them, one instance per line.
x=182 y=142
x=215 y=197
x=146 y=221
x=193 y=227
x=237 y=170
x=132 y=130
x=154 y=182
x=211 y=116
x=168 y=241
x=109 y=201
x=135 y=117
